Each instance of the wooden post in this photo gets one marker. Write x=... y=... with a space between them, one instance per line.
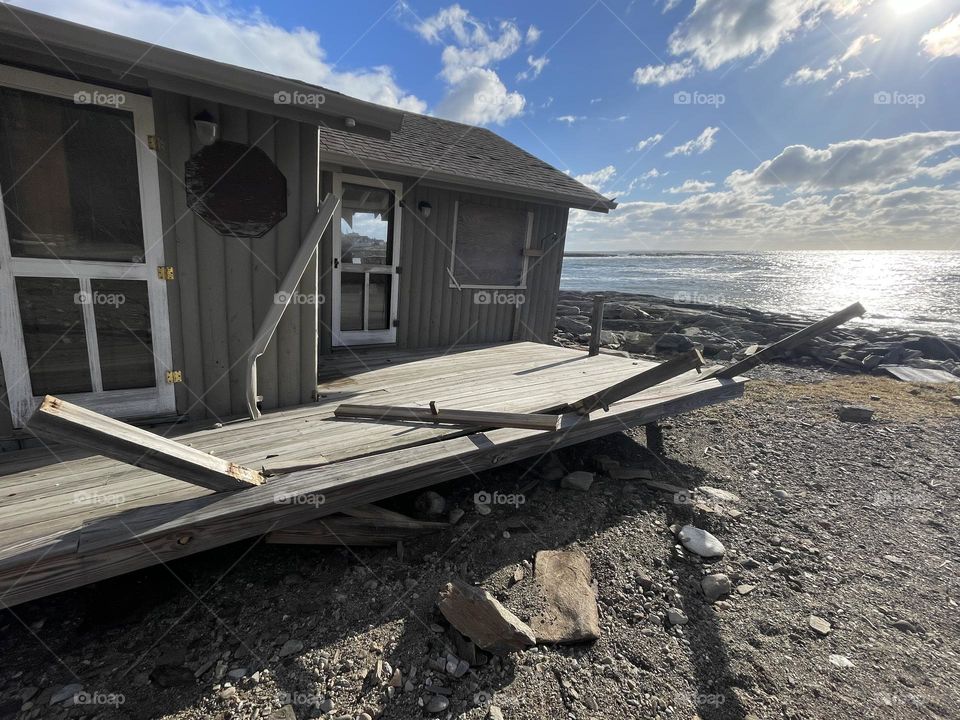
x=654 y=438
x=596 y=325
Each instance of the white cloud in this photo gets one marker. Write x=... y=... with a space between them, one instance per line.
x=700 y=144
x=594 y=101
x=570 y=119
x=943 y=40
x=670 y=5
x=719 y=31
x=836 y=65
x=232 y=35
x=663 y=74
x=691 y=186
x=853 y=164
x=475 y=93
x=535 y=66
x=533 y=34
x=648 y=142
x=597 y=179
x=652 y=173
x=479 y=97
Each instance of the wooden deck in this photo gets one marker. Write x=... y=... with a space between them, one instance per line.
x=67 y=519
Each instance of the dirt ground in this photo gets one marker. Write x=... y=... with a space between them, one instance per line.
x=853 y=523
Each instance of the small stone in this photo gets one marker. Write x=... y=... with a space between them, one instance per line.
x=855 y=413
x=290 y=647
x=745 y=589
x=955 y=399
x=715 y=586
x=904 y=626
x=841 y=661
x=67 y=692
x=494 y=713
x=228 y=692
x=237 y=673
x=396 y=680
x=436 y=704
x=677 y=617
x=579 y=480
x=430 y=503
x=326 y=705
x=820 y=626
x=780 y=494
x=482 y=509
x=455 y=516
x=700 y=541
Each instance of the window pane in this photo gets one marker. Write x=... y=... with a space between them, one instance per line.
x=379 y=310
x=489 y=245
x=52 y=317
x=69 y=178
x=351 y=301
x=366 y=226
x=122 y=314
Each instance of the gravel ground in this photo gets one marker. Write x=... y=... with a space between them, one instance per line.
x=852 y=523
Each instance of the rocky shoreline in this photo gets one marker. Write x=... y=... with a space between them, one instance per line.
x=650 y=325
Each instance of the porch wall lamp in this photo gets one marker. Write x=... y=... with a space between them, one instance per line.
x=206 y=128
x=425 y=208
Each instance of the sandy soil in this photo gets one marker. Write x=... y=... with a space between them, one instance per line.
x=855 y=524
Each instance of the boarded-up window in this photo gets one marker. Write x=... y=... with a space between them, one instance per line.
x=488 y=246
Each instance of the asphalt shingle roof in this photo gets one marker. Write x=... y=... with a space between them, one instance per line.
x=442 y=149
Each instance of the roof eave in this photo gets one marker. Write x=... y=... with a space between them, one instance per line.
x=170 y=69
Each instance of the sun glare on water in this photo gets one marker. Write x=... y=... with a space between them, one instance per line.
x=905 y=7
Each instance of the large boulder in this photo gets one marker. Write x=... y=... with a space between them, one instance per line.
x=635 y=341
x=573 y=324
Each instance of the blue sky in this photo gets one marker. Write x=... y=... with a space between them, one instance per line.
x=717 y=124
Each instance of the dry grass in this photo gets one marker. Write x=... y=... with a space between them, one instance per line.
x=895 y=400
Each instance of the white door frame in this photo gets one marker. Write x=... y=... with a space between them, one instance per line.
x=366 y=337
x=145 y=402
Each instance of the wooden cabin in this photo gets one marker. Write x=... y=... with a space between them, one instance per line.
x=155 y=202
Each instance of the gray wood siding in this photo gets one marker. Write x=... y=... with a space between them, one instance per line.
x=225 y=285
x=433 y=314
x=6 y=425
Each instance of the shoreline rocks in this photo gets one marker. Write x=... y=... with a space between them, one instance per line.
x=650 y=325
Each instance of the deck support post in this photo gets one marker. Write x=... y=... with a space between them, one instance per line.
x=654 y=438
x=596 y=325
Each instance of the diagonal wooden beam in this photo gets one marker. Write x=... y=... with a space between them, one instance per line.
x=60 y=421
x=791 y=341
x=690 y=360
x=476 y=418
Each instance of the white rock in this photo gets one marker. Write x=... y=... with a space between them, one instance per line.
x=700 y=541
x=841 y=661
x=65 y=693
x=579 y=480
x=677 y=617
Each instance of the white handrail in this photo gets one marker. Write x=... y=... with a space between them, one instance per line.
x=283 y=296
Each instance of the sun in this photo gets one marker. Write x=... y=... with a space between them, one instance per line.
x=905 y=7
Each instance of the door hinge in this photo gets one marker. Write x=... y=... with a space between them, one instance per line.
x=153 y=142
x=396 y=323
x=166 y=272
x=398 y=270
x=174 y=376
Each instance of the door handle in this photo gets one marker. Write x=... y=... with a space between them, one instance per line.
x=336 y=263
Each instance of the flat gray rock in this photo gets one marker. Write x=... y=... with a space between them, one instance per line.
x=570 y=615
x=478 y=615
x=715 y=586
x=700 y=541
x=579 y=480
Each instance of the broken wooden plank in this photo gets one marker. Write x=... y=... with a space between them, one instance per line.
x=366 y=525
x=791 y=341
x=477 y=418
x=690 y=360
x=60 y=421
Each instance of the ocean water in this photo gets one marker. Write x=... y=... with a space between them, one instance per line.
x=902 y=289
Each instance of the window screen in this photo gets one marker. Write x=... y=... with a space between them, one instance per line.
x=488 y=250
